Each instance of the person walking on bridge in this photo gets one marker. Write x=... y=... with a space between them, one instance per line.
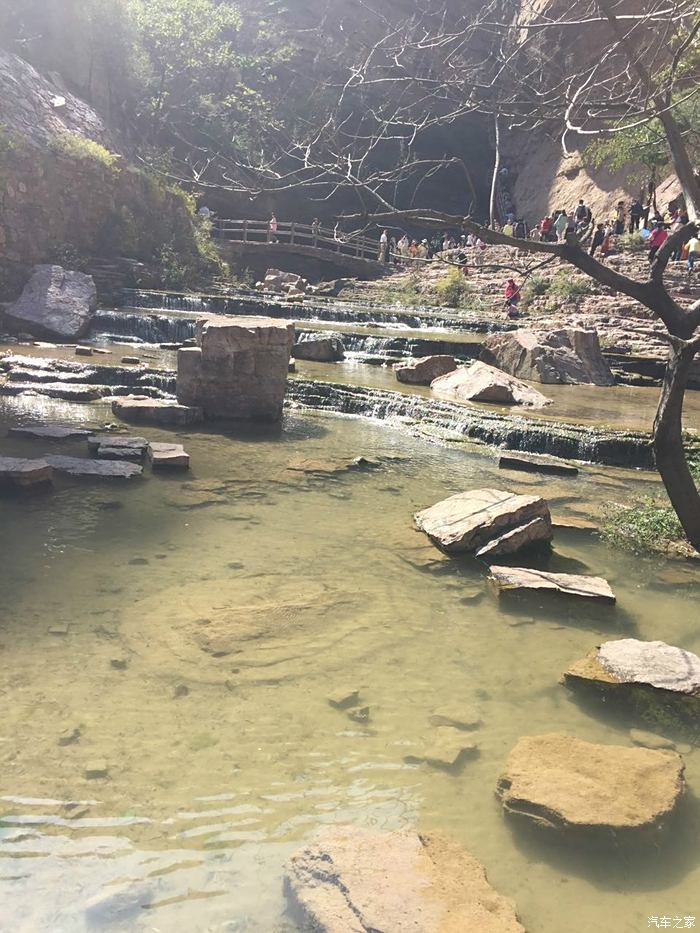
x=384 y=246
x=272 y=230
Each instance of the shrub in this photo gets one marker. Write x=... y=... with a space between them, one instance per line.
x=453 y=290
x=80 y=148
x=534 y=287
x=644 y=528
x=565 y=288
x=632 y=242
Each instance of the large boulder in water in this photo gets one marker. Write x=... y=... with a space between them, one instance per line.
x=352 y=880
x=319 y=348
x=423 y=370
x=55 y=303
x=571 y=356
x=483 y=383
x=469 y=521
x=563 y=783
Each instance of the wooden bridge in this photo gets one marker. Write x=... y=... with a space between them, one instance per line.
x=253 y=239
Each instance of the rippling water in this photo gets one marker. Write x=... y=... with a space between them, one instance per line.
x=233 y=600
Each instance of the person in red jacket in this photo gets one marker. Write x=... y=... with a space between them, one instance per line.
x=657 y=238
x=512 y=296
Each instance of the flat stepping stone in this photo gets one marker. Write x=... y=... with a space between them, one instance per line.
x=21 y=474
x=350 y=880
x=84 y=466
x=343 y=698
x=49 y=432
x=142 y=410
x=95 y=441
x=83 y=351
x=448 y=750
x=536 y=532
x=168 y=456
x=532 y=463
x=563 y=783
x=470 y=520
x=512 y=579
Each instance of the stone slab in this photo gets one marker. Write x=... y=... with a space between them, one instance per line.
x=19 y=473
x=49 y=432
x=353 y=880
x=537 y=532
x=84 y=466
x=116 y=441
x=532 y=463
x=168 y=456
x=140 y=410
x=509 y=579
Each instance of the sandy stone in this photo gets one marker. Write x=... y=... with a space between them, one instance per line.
x=96 y=769
x=650 y=739
x=480 y=382
x=448 y=750
x=425 y=369
x=456 y=716
x=469 y=520
x=510 y=579
x=561 y=782
x=571 y=356
x=21 y=474
x=352 y=880
x=343 y=697
x=69 y=736
x=536 y=532
x=83 y=351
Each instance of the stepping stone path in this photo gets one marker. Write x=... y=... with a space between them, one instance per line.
x=168 y=456
x=49 y=432
x=351 y=879
x=142 y=410
x=21 y=474
x=563 y=783
x=85 y=466
x=532 y=463
x=469 y=521
x=117 y=447
x=628 y=665
x=511 y=579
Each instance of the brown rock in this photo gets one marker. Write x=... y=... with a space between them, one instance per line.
x=561 y=782
x=571 y=356
x=482 y=383
x=469 y=520
x=508 y=579
x=351 y=880
x=534 y=533
x=320 y=348
x=423 y=370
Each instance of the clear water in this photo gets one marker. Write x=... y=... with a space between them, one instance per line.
x=236 y=618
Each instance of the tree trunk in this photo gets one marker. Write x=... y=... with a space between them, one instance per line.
x=494 y=177
x=668 y=440
x=681 y=162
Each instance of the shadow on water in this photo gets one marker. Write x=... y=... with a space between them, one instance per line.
x=650 y=861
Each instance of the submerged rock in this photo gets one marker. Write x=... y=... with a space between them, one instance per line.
x=480 y=382
x=55 y=303
x=508 y=579
x=571 y=356
x=352 y=880
x=470 y=520
x=108 y=469
x=532 y=463
x=20 y=474
x=50 y=432
x=141 y=410
x=423 y=370
x=323 y=348
x=563 y=783
x=448 y=750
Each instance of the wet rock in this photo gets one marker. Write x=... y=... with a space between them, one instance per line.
x=650 y=739
x=425 y=369
x=361 y=714
x=571 y=356
x=59 y=629
x=458 y=717
x=49 y=432
x=141 y=410
x=448 y=749
x=239 y=368
x=66 y=391
x=573 y=521
x=168 y=456
x=119 y=664
x=342 y=698
x=69 y=736
x=17 y=474
x=131 y=360
x=538 y=532
x=531 y=463
x=181 y=690
x=55 y=303
x=325 y=348
x=351 y=879
x=119 y=907
x=482 y=383
x=115 y=442
x=470 y=520
x=83 y=351
x=509 y=579
x=96 y=769
x=198 y=494
x=563 y=783
x=78 y=466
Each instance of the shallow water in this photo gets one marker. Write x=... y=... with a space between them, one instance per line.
x=223 y=754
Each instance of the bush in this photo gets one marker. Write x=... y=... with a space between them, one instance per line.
x=78 y=147
x=534 y=287
x=632 y=242
x=646 y=527
x=453 y=291
x=565 y=288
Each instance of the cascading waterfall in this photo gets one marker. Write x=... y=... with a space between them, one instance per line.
x=368 y=348
x=146 y=328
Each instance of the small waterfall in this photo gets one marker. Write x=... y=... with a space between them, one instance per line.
x=146 y=328
x=368 y=348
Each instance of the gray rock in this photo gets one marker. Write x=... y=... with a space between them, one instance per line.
x=168 y=456
x=49 y=432
x=321 y=348
x=534 y=463
x=79 y=466
x=141 y=410
x=654 y=663
x=571 y=356
x=55 y=303
x=20 y=474
x=482 y=383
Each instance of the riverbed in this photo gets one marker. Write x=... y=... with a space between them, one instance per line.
x=220 y=758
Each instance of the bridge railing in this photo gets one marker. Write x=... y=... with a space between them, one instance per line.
x=258 y=231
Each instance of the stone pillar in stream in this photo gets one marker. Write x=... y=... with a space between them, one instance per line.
x=239 y=368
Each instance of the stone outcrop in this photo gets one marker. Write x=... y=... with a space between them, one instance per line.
x=323 y=348
x=351 y=880
x=238 y=368
x=483 y=383
x=510 y=579
x=55 y=303
x=284 y=282
x=571 y=356
x=140 y=410
x=20 y=474
x=628 y=667
x=510 y=542
x=423 y=370
x=561 y=782
x=469 y=521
